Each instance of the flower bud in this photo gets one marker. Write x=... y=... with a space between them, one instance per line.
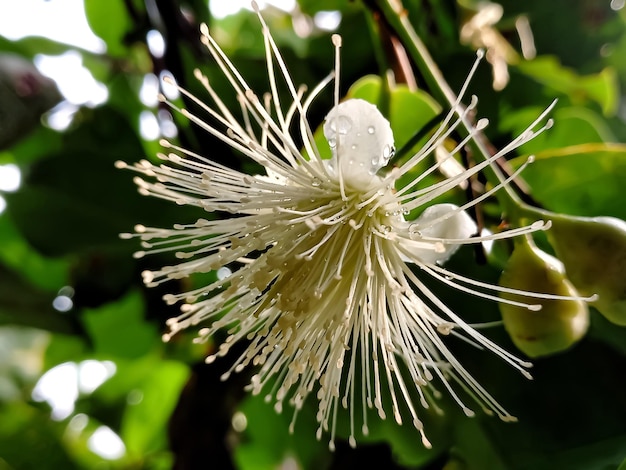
x=560 y=322
x=593 y=251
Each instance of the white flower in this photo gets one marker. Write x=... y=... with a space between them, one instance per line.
x=324 y=288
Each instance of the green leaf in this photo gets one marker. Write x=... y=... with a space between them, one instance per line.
x=109 y=20
x=30 y=441
x=585 y=180
x=30 y=46
x=44 y=273
x=601 y=87
x=88 y=200
x=405 y=441
x=118 y=329
x=564 y=422
x=74 y=224
x=266 y=441
x=472 y=449
x=313 y=6
x=41 y=142
x=64 y=348
x=573 y=125
x=144 y=423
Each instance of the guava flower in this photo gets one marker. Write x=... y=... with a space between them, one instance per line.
x=326 y=286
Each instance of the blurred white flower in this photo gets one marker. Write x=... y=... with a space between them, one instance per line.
x=479 y=31
x=325 y=286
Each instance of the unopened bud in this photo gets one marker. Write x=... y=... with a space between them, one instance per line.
x=593 y=251
x=560 y=322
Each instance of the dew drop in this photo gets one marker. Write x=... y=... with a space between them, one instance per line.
x=375 y=161
x=388 y=152
x=414 y=232
x=316 y=182
x=371 y=130
x=341 y=124
x=353 y=147
x=332 y=142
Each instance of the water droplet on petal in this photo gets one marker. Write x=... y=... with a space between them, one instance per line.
x=341 y=124
x=371 y=130
x=388 y=152
x=375 y=161
x=414 y=232
x=316 y=182
x=332 y=142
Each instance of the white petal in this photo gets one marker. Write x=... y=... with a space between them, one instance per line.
x=457 y=226
x=361 y=141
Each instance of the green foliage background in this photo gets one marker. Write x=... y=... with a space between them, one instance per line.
x=61 y=229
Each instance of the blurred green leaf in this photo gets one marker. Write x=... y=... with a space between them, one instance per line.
x=266 y=441
x=313 y=6
x=405 y=441
x=64 y=348
x=585 y=180
x=472 y=448
x=564 y=422
x=145 y=422
x=118 y=329
x=573 y=125
x=601 y=87
x=88 y=201
x=109 y=20
x=33 y=45
x=49 y=274
x=30 y=441
x=40 y=143
x=74 y=224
